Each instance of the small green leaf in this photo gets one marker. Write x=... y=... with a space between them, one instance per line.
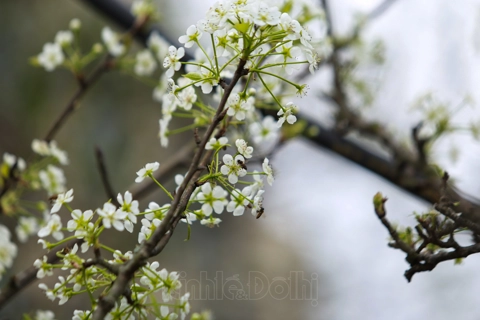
x=241 y=27
x=194 y=76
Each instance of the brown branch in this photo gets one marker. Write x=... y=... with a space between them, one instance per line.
x=420 y=259
x=73 y=104
x=104 y=175
x=158 y=240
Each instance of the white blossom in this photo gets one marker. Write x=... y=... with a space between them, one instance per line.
x=146 y=171
x=53 y=227
x=212 y=199
x=145 y=63
x=243 y=148
x=238 y=202
x=61 y=199
x=192 y=36
x=233 y=168
x=130 y=207
x=44 y=315
x=287 y=114
x=51 y=56
x=52 y=179
x=172 y=60
x=238 y=107
x=112 y=217
x=75 y=24
x=25 y=228
x=210 y=222
x=265 y=131
x=10 y=160
x=64 y=38
x=112 y=41
x=216 y=144
x=267 y=168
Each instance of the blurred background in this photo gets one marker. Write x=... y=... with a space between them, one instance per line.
x=319 y=222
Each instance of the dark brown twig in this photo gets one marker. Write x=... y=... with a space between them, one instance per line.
x=74 y=102
x=104 y=175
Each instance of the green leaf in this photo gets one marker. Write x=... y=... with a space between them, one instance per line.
x=241 y=27
x=194 y=76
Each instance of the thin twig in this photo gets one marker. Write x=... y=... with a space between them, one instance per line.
x=104 y=175
x=74 y=102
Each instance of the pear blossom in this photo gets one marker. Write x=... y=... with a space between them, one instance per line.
x=44 y=268
x=52 y=179
x=145 y=63
x=44 y=315
x=212 y=199
x=82 y=225
x=162 y=134
x=222 y=43
x=287 y=114
x=10 y=160
x=112 y=217
x=210 y=222
x=264 y=131
x=8 y=249
x=51 y=56
x=187 y=97
x=252 y=189
x=146 y=171
x=208 y=81
x=288 y=53
x=57 y=153
x=267 y=168
x=172 y=60
x=264 y=14
x=25 y=228
x=155 y=211
x=239 y=107
x=243 y=148
x=192 y=36
x=61 y=199
x=40 y=147
x=53 y=227
x=75 y=24
x=239 y=200
x=184 y=305
x=130 y=207
x=313 y=60
x=81 y=315
x=233 y=168
x=216 y=144
x=142 y=8
x=257 y=205
x=148 y=227
x=64 y=38
x=112 y=41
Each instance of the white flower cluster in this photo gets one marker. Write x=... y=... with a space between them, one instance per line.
x=53 y=54
x=8 y=250
x=10 y=160
x=277 y=46
x=52 y=178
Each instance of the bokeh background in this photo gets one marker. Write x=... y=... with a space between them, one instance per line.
x=319 y=219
